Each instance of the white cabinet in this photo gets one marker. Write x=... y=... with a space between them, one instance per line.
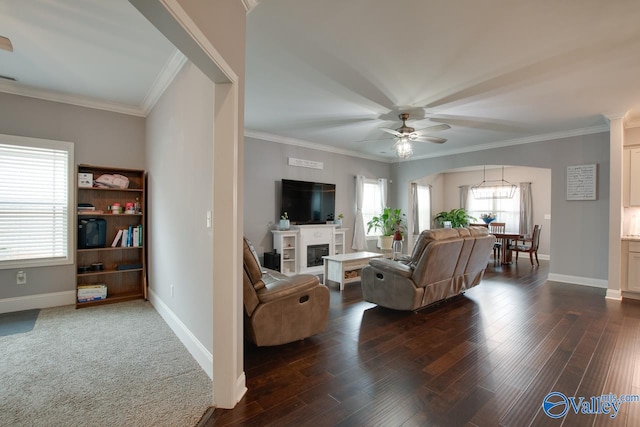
x=634 y=177
x=338 y=247
x=285 y=243
x=633 y=266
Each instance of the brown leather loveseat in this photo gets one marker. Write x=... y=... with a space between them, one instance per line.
x=279 y=309
x=444 y=263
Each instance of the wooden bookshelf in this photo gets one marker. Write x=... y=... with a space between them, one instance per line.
x=122 y=285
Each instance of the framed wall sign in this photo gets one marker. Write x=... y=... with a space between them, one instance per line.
x=582 y=182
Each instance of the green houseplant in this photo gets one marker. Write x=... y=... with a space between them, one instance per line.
x=458 y=218
x=388 y=222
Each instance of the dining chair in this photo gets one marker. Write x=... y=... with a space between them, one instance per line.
x=485 y=225
x=531 y=247
x=497 y=227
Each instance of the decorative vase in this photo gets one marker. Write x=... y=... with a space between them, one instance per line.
x=397 y=245
x=284 y=224
x=488 y=220
x=338 y=223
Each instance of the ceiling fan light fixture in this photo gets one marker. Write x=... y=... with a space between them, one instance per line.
x=501 y=190
x=404 y=150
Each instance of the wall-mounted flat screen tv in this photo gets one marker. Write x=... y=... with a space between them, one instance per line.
x=308 y=202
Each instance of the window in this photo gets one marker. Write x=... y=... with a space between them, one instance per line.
x=506 y=210
x=36 y=202
x=371 y=204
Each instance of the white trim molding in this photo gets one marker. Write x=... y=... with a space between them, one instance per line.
x=29 y=302
x=193 y=345
x=577 y=280
x=614 y=294
x=163 y=80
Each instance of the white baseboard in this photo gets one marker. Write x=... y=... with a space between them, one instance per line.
x=241 y=387
x=614 y=294
x=577 y=280
x=29 y=302
x=195 y=347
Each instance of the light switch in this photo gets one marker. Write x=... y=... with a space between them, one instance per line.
x=208 y=219
x=547 y=216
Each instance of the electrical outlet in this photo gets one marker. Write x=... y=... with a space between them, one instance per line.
x=21 y=278
x=171 y=291
x=208 y=219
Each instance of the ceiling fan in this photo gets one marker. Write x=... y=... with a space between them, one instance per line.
x=5 y=44
x=406 y=134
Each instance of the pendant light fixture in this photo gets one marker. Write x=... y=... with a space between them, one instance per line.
x=485 y=190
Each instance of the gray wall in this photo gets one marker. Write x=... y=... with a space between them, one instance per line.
x=101 y=138
x=180 y=179
x=266 y=165
x=579 y=229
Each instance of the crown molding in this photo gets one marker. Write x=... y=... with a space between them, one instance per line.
x=314 y=146
x=513 y=142
x=164 y=78
x=81 y=101
x=528 y=140
x=631 y=119
x=249 y=4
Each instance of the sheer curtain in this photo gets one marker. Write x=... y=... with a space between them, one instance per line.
x=526 y=208
x=464 y=197
x=359 y=243
x=382 y=182
x=415 y=208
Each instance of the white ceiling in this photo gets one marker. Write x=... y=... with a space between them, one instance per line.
x=99 y=53
x=499 y=72
x=334 y=72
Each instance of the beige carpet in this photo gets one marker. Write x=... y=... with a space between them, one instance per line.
x=112 y=365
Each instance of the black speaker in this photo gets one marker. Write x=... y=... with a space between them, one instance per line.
x=92 y=233
x=272 y=261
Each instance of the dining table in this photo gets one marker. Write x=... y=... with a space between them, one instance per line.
x=505 y=253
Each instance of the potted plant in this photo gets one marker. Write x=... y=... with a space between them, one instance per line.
x=457 y=218
x=338 y=221
x=387 y=223
x=284 y=222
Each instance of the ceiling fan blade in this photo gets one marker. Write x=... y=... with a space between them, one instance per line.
x=5 y=44
x=391 y=131
x=435 y=128
x=377 y=139
x=433 y=139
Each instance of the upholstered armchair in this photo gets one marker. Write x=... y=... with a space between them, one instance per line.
x=279 y=309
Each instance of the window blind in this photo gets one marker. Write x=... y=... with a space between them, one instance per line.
x=35 y=202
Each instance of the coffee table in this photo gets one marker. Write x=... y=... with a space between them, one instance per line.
x=345 y=268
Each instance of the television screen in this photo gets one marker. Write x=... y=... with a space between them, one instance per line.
x=308 y=202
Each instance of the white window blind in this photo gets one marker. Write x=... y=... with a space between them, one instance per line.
x=36 y=202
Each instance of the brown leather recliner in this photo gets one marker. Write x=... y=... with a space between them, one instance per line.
x=444 y=263
x=279 y=309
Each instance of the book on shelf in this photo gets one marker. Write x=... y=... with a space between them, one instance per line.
x=116 y=239
x=125 y=237
x=131 y=237
x=90 y=212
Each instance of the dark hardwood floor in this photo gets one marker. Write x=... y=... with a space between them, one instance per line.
x=486 y=358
